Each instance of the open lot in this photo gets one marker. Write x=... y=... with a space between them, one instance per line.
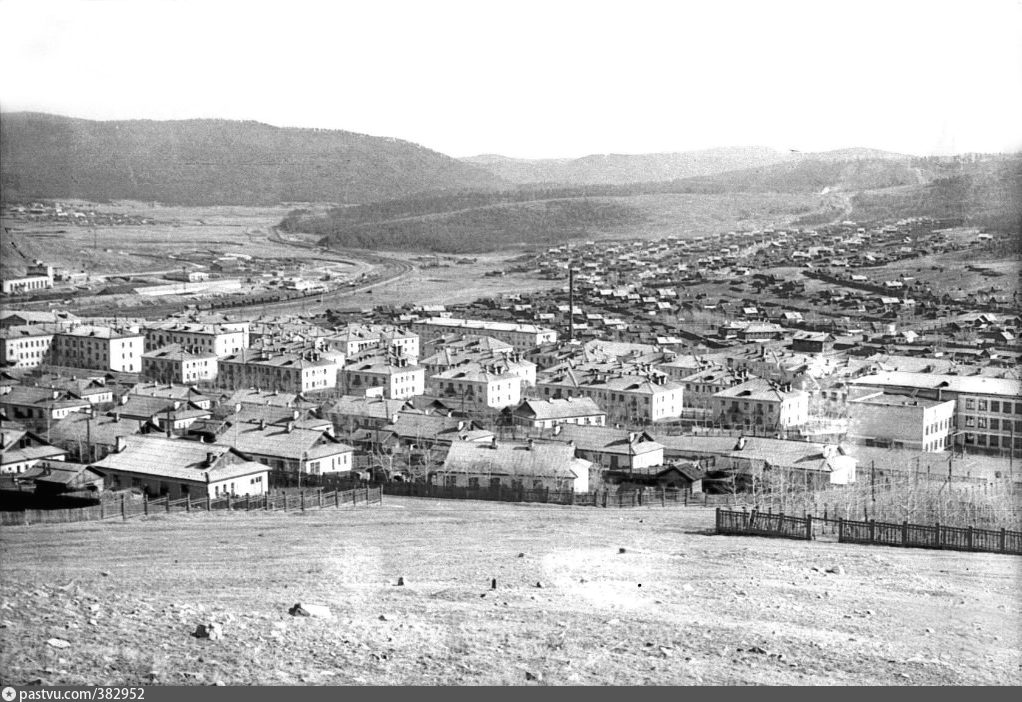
x=679 y=606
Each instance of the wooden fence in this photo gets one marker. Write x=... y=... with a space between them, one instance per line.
x=642 y=497
x=872 y=532
x=127 y=507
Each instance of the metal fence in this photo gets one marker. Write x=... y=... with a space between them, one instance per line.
x=870 y=532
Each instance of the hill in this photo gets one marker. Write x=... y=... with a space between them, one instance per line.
x=626 y=168
x=679 y=605
x=214 y=162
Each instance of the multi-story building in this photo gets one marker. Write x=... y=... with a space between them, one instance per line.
x=292 y=450
x=358 y=338
x=988 y=412
x=105 y=348
x=898 y=421
x=636 y=399
x=219 y=339
x=476 y=386
x=522 y=336
x=760 y=404
x=701 y=386
x=398 y=377
x=26 y=346
x=179 y=364
x=297 y=372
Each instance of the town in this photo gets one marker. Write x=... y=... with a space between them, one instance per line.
x=701 y=365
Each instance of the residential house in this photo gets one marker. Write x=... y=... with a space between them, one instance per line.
x=513 y=466
x=176 y=468
x=546 y=414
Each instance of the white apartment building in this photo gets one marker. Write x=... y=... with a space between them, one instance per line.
x=26 y=346
x=176 y=364
x=398 y=377
x=98 y=347
x=220 y=340
x=522 y=336
x=294 y=372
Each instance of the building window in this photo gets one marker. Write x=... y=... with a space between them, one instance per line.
x=995 y=424
x=970 y=404
x=982 y=406
x=473 y=482
x=995 y=406
x=970 y=421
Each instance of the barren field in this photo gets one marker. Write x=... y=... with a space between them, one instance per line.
x=679 y=605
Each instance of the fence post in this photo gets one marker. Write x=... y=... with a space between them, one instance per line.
x=188 y=504
x=705 y=498
x=209 y=502
x=840 y=529
x=640 y=492
x=663 y=497
x=228 y=501
x=319 y=497
x=940 y=541
x=266 y=501
x=145 y=504
x=123 y=513
x=872 y=531
x=301 y=495
x=101 y=515
x=968 y=536
x=904 y=533
x=605 y=498
x=809 y=528
x=367 y=496
x=571 y=497
x=167 y=502
x=337 y=498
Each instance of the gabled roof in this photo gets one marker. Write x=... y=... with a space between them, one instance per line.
x=558 y=408
x=178 y=459
x=608 y=440
x=514 y=459
x=276 y=440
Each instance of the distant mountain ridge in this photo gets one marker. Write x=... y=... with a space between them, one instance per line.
x=621 y=169
x=215 y=162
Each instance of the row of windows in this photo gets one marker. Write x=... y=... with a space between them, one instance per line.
x=972 y=403
x=994 y=424
x=942 y=425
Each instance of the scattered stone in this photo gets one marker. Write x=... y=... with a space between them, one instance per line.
x=483 y=595
x=104 y=573
x=756 y=649
x=836 y=570
x=400 y=581
x=533 y=676
x=58 y=643
x=667 y=651
x=310 y=610
x=621 y=550
x=383 y=618
x=521 y=555
x=93 y=622
x=211 y=631
x=929 y=630
x=493 y=584
x=539 y=584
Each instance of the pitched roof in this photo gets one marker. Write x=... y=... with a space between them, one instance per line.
x=559 y=408
x=609 y=439
x=275 y=440
x=516 y=460
x=178 y=459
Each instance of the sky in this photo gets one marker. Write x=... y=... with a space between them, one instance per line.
x=547 y=79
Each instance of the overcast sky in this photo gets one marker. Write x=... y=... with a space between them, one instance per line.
x=539 y=79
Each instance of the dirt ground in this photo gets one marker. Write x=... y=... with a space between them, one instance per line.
x=679 y=606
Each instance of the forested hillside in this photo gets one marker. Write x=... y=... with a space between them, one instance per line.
x=214 y=162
